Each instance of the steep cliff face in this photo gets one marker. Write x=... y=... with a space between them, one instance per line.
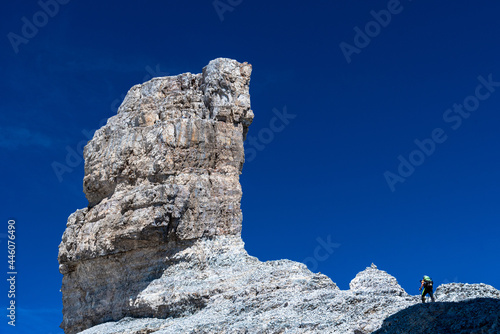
x=159 y=248
x=159 y=176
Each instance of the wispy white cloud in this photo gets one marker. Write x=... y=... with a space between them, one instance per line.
x=16 y=137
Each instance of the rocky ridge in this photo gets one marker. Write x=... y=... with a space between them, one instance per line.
x=284 y=297
x=159 y=247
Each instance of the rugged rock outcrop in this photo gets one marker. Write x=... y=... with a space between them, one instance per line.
x=244 y=295
x=284 y=297
x=160 y=176
x=159 y=249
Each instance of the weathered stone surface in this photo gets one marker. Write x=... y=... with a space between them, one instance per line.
x=160 y=175
x=374 y=281
x=455 y=292
x=248 y=296
x=159 y=250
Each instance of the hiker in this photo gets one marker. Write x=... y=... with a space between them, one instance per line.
x=426 y=284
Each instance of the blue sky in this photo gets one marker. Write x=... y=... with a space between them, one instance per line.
x=317 y=176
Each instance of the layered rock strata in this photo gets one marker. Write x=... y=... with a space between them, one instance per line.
x=159 y=250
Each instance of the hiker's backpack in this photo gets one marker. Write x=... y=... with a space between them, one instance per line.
x=427 y=282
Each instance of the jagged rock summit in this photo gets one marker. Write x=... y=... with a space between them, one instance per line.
x=159 y=249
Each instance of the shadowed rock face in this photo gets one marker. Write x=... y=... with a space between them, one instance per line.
x=473 y=316
x=159 y=247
